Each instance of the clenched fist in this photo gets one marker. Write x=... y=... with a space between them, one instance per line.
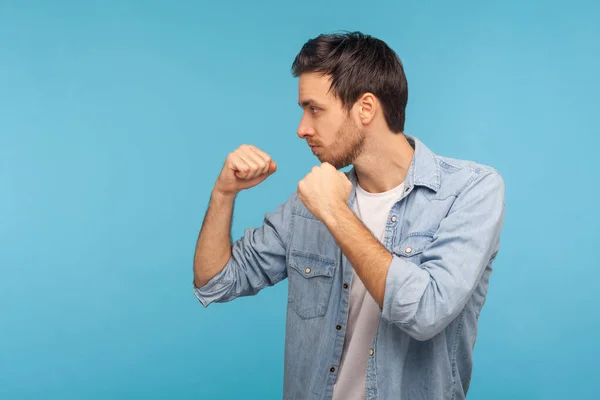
x=244 y=168
x=324 y=189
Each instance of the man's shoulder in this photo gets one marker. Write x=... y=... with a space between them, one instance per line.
x=456 y=175
x=450 y=166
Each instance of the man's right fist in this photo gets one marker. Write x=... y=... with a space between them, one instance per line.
x=244 y=168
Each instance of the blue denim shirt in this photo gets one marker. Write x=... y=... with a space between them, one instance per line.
x=443 y=233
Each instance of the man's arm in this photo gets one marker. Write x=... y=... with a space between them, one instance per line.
x=423 y=299
x=368 y=257
x=224 y=270
x=213 y=248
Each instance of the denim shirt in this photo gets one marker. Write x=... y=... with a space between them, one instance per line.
x=443 y=234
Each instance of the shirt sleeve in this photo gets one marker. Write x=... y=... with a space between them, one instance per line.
x=258 y=260
x=423 y=299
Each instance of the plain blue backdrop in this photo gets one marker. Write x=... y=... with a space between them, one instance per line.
x=116 y=117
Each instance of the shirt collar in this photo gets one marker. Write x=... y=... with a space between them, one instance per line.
x=423 y=169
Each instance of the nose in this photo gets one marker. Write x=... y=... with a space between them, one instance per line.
x=305 y=129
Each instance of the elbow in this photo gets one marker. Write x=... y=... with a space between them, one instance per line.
x=199 y=282
x=419 y=304
x=204 y=273
x=418 y=327
x=199 y=279
x=422 y=331
x=422 y=324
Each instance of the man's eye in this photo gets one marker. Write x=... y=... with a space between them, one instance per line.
x=314 y=110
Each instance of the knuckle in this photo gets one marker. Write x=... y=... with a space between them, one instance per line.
x=237 y=153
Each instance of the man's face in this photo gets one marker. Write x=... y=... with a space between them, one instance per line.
x=326 y=125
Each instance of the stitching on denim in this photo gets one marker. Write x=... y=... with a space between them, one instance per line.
x=458 y=331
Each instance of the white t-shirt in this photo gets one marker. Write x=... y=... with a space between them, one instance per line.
x=364 y=312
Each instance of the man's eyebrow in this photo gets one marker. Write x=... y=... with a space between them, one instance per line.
x=308 y=102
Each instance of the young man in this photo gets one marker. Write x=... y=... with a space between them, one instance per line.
x=388 y=264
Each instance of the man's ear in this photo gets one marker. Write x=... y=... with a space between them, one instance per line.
x=367 y=105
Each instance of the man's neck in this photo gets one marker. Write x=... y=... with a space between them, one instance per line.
x=384 y=163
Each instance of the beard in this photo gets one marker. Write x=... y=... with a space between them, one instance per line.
x=348 y=145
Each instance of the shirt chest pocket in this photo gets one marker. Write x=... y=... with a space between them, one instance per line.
x=310 y=282
x=413 y=245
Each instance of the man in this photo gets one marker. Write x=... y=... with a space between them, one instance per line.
x=388 y=264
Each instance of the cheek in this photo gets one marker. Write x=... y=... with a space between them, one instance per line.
x=328 y=131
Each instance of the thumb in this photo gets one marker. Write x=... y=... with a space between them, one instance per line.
x=272 y=168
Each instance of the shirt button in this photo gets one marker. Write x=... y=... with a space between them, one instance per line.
x=345 y=286
x=332 y=369
x=338 y=327
x=371 y=352
x=408 y=250
x=394 y=218
x=307 y=270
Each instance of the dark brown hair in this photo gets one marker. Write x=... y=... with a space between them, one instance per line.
x=357 y=64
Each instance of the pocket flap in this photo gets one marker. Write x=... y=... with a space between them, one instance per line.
x=414 y=244
x=309 y=265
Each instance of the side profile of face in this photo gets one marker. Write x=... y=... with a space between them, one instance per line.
x=326 y=125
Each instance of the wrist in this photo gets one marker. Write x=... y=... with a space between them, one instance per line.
x=337 y=213
x=222 y=197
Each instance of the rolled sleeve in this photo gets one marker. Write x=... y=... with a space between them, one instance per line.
x=404 y=288
x=216 y=288
x=258 y=259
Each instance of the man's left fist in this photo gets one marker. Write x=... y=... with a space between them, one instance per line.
x=323 y=190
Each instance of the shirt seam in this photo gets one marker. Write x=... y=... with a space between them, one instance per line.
x=458 y=331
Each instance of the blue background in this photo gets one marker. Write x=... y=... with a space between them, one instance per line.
x=116 y=117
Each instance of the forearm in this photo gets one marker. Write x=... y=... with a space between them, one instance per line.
x=368 y=257
x=213 y=249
